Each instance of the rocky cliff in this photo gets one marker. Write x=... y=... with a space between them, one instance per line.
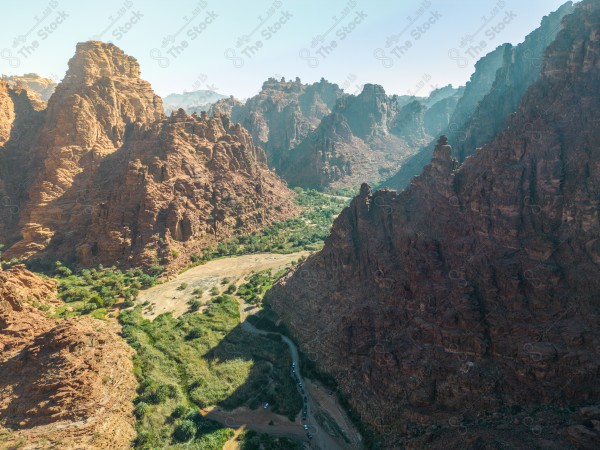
x=493 y=92
x=115 y=181
x=63 y=383
x=178 y=185
x=464 y=311
x=21 y=116
x=366 y=137
x=317 y=136
x=282 y=114
x=521 y=65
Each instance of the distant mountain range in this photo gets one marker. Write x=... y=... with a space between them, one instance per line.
x=191 y=102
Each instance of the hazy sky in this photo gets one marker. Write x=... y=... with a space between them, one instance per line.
x=408 y=46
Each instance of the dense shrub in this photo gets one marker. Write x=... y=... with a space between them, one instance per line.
x=141 y=409
x=185 y=431
x=100 y=287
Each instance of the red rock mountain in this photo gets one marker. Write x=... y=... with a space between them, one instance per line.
x=282 y=114
x=115 y=181
x=21 y=115
x=464 y=312
x=317 y=136
x=366 y=138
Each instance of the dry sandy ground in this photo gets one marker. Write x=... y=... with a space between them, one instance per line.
x=167 y=297
x=329 y=403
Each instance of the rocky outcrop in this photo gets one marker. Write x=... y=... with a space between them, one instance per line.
x=43 y=87
x=178 y=185
x=365 y=138
x=316 y=136
x=7 y=113
x=282 y=114
x=229 y=106
x=520 y=68
x=464 y=311
x=494 y=91
x=21 y=116
x=63 y=383
x=114 y=178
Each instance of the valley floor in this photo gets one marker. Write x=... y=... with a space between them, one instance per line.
x=326 y=419
x=169 y=297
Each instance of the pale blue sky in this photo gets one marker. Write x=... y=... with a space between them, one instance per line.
x=233 y=46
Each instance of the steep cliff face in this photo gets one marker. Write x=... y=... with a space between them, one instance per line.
x=21 y=116
x=86 y=118
x=493 y=92
x=366 y=138
x=474 y=292
x=439 y=113
x=63 y=383
x=282 y=114
x=520 y=68
x=316 y=136
x=7 y=113
x=103 y=132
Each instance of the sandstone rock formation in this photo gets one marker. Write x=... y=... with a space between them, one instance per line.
x=21 y=115
x=115 y=181
x=317 y=136
x=63 y=383
x=179 y=185
x=464 y=312
x=365 y=138
x=282 y=114
x=494 y=91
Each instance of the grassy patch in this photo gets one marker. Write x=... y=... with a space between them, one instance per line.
x=199 y=361
x=253 y=290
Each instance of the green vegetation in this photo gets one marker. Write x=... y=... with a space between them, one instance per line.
x=345 y=192
x=306 y=232
x=266 y=320
x=251 y=440
x=194 y=305
x=231 y=289
x=94 y=290
x=198 y=361
x=257 y=285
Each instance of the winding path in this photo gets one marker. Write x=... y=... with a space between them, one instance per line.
x=258 y=421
